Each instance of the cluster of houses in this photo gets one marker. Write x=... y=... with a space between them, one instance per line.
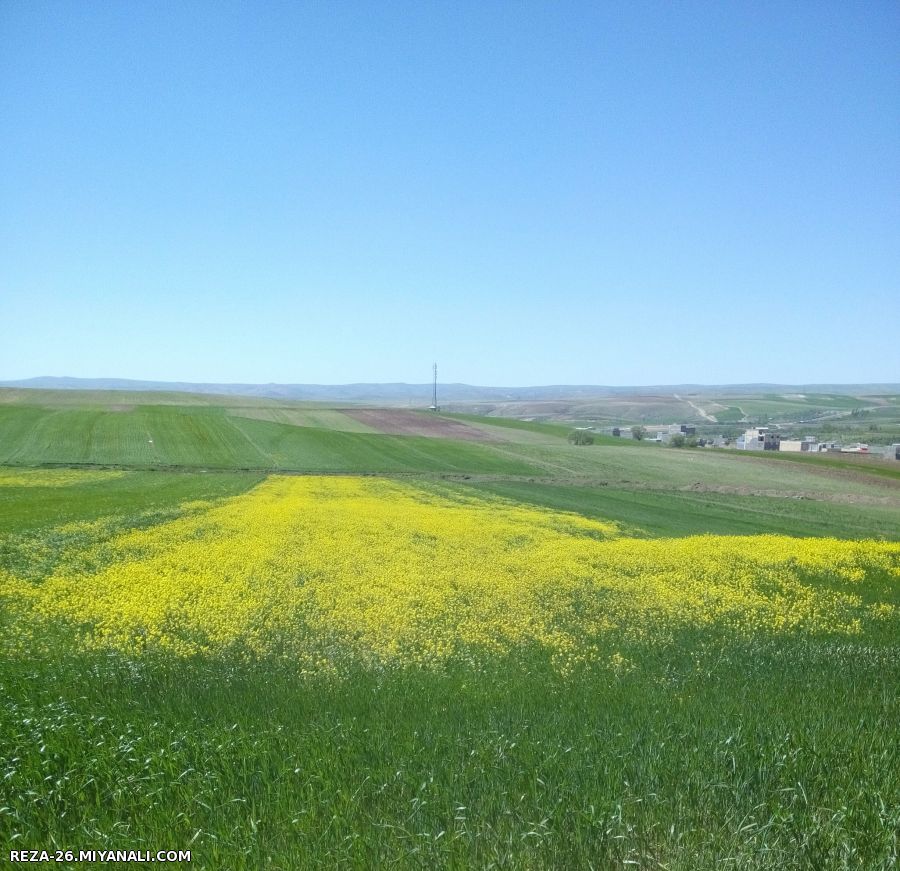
x=760 y=438
x=764 y=438
x=664 y=436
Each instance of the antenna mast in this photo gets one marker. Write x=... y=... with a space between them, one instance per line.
x=434 y=405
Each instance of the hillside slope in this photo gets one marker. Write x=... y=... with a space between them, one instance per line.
x=207 y=437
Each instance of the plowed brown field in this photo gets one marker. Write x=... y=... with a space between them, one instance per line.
x=399 y=422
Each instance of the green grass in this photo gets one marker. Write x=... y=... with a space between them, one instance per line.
x=731 y=414
x=548 y=429
x=671 y=513
x=134 y=493
x=99 y=399
x=143 y=436
x=320 y=418
x=40 y=525
x=209 y=437
x=553 y=431
x=889 y=413
x=712 y=752
x=778 y=406
x=632 y=464
x=291 y=447
x=823 y=462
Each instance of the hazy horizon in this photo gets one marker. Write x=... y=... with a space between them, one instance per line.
x=51 y=382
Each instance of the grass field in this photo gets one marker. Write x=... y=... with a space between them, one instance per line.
x=518 y=654
x=665 y=513
x=319 y=418
x=204 y=437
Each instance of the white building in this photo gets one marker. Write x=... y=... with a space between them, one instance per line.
x=808 y=443
x=759 y=439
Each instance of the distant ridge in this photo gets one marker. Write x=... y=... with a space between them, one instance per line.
x=395 y=392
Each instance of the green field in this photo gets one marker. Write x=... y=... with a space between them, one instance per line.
x=667 y=513
x=669 y=743
x=206 y=437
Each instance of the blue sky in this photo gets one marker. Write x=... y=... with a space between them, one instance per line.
x=528 y=193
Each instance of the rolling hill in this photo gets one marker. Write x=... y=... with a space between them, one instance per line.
x=650 y=489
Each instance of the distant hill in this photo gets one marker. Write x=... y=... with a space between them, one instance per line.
x=400 y=392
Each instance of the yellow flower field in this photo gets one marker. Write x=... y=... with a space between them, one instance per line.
x=320 y=569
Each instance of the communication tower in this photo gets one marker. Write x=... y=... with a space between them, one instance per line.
x=434 y=405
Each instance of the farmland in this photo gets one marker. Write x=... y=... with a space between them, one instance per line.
x=197 y=437
x=283 y=637
x=866 y=415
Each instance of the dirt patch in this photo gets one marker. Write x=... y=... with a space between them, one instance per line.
x=867 y=473
x=888 y=500
x=818 y=496
x=396 y=422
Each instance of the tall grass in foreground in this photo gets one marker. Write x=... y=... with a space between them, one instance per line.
x=706 y=752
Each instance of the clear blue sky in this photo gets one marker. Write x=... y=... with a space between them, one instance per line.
x=529 y=193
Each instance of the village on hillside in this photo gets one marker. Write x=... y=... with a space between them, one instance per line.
x=759 y=438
